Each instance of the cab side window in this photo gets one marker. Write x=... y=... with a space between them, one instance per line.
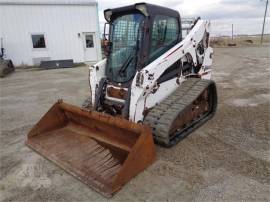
x=165 y=32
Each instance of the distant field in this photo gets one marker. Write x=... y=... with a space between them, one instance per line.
x=239 y=40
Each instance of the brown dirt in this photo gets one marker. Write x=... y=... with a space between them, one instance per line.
x=227 y=159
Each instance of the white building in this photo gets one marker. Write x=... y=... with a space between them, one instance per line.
x=43 y=30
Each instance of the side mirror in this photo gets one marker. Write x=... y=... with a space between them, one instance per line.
x=106 y=31
x=106 y=44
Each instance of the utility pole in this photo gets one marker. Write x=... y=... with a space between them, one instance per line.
x=264 y=21
x=232 y=33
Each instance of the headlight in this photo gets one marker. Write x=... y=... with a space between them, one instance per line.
x=142 y=8
x=139 y=79
x=108 y=15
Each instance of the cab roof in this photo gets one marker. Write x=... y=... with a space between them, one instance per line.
x=146 y=9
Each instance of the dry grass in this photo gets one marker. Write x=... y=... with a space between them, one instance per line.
x=239 y=41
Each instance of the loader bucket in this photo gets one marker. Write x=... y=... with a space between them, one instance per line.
x=102 y=151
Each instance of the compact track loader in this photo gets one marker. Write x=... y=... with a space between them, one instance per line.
x=153 y=85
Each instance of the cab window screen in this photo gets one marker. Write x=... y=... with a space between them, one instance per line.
x=125 y=38
x=164 y=35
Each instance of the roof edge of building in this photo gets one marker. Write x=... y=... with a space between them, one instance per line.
x=83 y=3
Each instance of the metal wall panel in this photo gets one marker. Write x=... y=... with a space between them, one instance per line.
x=62 y=26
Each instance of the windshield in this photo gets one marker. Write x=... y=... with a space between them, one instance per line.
x=125 y=36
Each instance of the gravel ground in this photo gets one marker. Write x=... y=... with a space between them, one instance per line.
x=227 y=159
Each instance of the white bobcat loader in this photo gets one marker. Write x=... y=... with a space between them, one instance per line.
x=153 y=85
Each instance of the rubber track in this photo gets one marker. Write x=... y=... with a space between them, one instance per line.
x=162 y=116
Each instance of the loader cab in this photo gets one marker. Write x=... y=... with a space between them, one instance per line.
x=138 y=34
